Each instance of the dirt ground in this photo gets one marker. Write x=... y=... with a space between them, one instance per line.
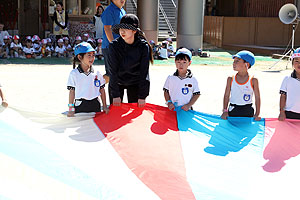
x=42 y=88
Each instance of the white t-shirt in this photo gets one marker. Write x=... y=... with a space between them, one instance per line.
x=68 y=47
x=163 y=52
x=291 y=87
x=13 y=45
x=181 y=90
x=2 y=35
x=37 y=48
x=84 y=84
x=28 y=50
x=241 y=93
x=98 y=51
x=60 y=50
x=170 y=47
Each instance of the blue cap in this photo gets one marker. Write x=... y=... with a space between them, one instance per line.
x=184 y=51
x=83 y=47
x=296 y=53
x=246 y=56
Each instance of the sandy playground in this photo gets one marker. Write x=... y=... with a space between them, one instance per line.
x=42 y=88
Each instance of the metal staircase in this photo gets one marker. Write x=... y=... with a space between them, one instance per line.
x=167 y=16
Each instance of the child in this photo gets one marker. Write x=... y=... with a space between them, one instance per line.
x=77 y=41
x=16 y=47
x=4 y=102
x=170 y=48
x=163 y=51
x=60 y=49
x=6 y=46
x=181 y=89
x=85 y=37
x=50 y=46
x=99 y=53
x=129 y=57
x=37 y=46
x=240 y=88
x=85 y=84
x=28 y=49
x=68 y=47
x=290 y=91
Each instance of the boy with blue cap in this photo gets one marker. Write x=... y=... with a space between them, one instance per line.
x=290 y=91
x=181 y=89
x=85 y=84
x=240 y=89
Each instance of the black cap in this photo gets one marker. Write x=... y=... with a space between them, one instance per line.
x=128 y=21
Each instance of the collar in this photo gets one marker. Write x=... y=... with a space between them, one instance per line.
x=293 y=75
x=188 y=74
x=79 y=68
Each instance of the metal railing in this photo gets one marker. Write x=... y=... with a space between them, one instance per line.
x=134 y=3
x=167 y=19
x=174 y=4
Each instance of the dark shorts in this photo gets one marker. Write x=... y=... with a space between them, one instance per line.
x=87 y=106
x=292 y=115
x=241 y=111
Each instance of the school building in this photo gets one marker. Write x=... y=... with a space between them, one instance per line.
x=229 y=24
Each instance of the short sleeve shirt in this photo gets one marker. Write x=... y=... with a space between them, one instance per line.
x=111 y=16
x=86 y=86
x=28 y=50
x=13 y=45
x=181 y=90
x=291 y=87
x=60 y=50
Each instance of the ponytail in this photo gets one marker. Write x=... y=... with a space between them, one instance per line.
x=75 y=60
x=142 y=35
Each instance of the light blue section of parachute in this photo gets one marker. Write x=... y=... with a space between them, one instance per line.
x=16 y=144
x=222 y=157
x=226 y=136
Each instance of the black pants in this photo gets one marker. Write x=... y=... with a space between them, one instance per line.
x=132 y=93
x=87 y=106
x=241 y=111
x=292 y=115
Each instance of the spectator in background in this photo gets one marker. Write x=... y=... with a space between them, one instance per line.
x=16 y=47
x=99 y=54
x=60 y=24
x=110 y=17
x=50 y=47
x=98 y=23
x=6 y=46
x=2 y=33
x=28 y=49
x=85 y=37
x=60 y=49
x=163 y=51
x=77 y=41
x=68 y=47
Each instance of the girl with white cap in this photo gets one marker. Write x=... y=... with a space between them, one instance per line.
x=290 y=91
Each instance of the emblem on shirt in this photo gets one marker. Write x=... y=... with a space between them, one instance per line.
x=185 y=91
x=96 y=82
x=246 y=97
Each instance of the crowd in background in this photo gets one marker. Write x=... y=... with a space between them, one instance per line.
x=34 y=47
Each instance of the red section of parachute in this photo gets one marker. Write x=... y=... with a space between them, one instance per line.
x=282 y=141
x=148 y=141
